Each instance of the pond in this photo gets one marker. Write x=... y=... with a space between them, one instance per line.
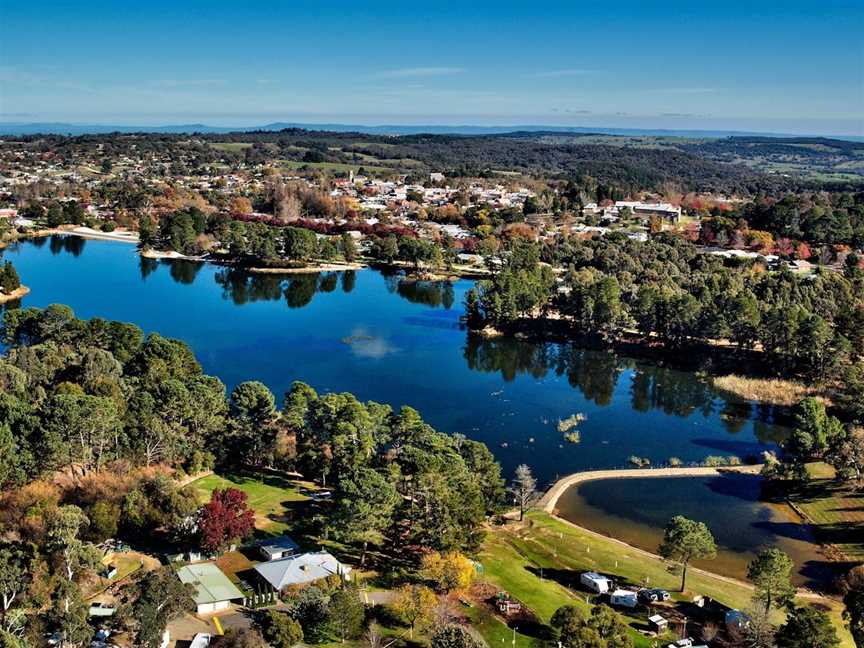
x=396 y=341
x=636 y=510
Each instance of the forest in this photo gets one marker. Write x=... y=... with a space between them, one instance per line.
x=97 y=420
x=665 y=291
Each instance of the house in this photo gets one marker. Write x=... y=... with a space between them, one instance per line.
x=213 y=590
x=301 y=569
x=624 y=598
x=278 y=548
x=658 y=624
x=595 y=582
x=101 y=609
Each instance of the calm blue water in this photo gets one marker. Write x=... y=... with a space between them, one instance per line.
x=399 y=342
x=637 y=511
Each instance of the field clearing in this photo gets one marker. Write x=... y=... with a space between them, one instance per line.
x=835 y=511
x=335 y=166
x=269 y=496
x=231 y=146
x=513 y=558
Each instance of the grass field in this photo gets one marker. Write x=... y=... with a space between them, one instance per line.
x=513 y=558
x=835 y=511
x=335 y=166
x=231 y=146
x=270 y=496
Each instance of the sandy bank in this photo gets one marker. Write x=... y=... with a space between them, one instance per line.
x=323 y=267
x=551 y=497
x=168 y=254
x=123 y=236
x=18 y=293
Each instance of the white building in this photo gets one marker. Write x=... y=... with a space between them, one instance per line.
x=595 y=582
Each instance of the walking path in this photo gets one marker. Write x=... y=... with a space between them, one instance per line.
x=550 y=498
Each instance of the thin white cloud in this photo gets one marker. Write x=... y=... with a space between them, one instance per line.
x=180 y=83
x=696 y=90
x=558 y=74
x=410 y=73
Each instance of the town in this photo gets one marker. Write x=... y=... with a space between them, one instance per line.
x=440 y=325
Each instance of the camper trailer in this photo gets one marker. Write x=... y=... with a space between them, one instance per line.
x=595 y=582
x=624 y=598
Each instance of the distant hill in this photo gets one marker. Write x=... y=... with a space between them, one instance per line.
x=64 y=128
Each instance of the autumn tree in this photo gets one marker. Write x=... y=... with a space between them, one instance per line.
x=415 y=604
x=226 y=517
x=449 y=571
x=239 y=206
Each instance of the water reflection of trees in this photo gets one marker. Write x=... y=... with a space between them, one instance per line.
x=183 y=271
x=147 y=266
x=596 y=375
x=298 y=290
x=435 y=294
x=73 y=245
x=674 y=392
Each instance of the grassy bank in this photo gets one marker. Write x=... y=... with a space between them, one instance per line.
x=513 y=557
x=834 y=510
x=771 y=391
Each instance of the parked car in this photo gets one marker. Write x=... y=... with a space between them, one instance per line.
x=647 y=596
x=653 y=595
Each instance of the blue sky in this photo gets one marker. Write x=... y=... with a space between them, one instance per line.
x=783 y=66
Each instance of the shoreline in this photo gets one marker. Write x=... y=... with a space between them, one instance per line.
x=324 y=267
x=801 y=591
x=550 y=498
x=120 y=236
x=18 y=293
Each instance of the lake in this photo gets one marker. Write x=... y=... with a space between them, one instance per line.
x=636 y=510
x=400 y=342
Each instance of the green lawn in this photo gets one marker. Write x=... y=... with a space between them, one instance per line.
x=270 y=496
x=512 y=559
x=835 y=511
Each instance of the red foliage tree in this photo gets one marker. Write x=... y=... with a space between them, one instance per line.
x=224 y=518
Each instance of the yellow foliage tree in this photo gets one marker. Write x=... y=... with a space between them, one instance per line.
x=449 y=571
x=416 y=605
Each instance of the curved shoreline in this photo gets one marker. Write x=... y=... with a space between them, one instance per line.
x=550 y=498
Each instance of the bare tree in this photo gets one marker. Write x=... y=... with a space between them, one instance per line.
x=524 y=489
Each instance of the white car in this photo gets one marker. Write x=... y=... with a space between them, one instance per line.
x=200 y=640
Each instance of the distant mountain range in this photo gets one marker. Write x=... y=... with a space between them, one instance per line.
x=63 y=128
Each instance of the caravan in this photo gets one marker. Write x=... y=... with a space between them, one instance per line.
x=595 y=582
x=624 y=598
